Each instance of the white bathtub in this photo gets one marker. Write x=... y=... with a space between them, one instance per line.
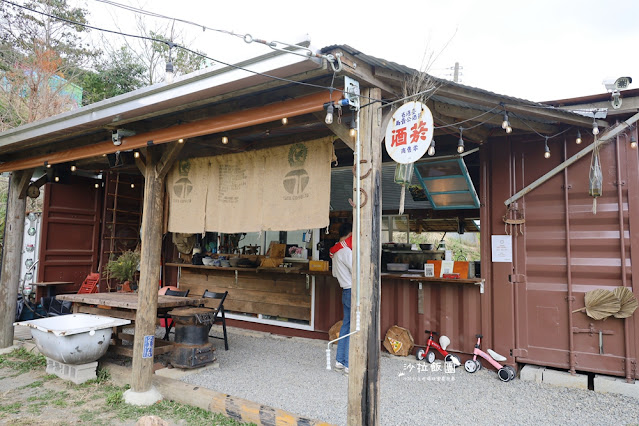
x=73 y=339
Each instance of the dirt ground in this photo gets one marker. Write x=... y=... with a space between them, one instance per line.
x=28 y=396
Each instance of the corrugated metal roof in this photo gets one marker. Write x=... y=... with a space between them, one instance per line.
x=393 y=66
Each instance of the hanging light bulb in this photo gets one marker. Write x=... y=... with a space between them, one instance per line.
x=47 y=164
x=505 y=124
x=225 y=140
x=284 y=121
x=169 y=72
x=595 y=128
x=546 y=149
x=578 y=140
x=132 y=185
x=353 y=130
x=329 y=114
x=73 y=168
x=57 y=178
x=460 y=144
x=180 y=140
x=136 y=154
x=509 y=129
x=633 y=142
x=431 y=148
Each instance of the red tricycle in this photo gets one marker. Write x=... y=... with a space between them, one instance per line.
x=429 y=353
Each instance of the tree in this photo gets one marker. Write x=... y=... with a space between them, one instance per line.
x=120 y=72
x=155 y=54
x=39 y=60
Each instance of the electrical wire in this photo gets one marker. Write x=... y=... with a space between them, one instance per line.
x=536 y=132
x=171 y=45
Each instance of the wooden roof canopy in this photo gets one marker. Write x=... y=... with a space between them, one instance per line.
x=202 y=107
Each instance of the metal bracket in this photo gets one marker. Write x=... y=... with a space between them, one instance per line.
x=308 y=280
x=570 y=298
x=236 y=277
x=623 y=183
x=566 y=187
x=351 y=91
x=481 y=286
x=516 y=278
x=591 y=330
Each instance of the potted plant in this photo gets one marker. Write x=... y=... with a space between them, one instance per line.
x=124 y=268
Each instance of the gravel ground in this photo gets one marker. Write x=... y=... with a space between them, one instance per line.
x=290 y=374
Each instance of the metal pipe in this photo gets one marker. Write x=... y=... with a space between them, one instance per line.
x=357 y=245
x=607 y=136
x=622 y=245
x=571 y=336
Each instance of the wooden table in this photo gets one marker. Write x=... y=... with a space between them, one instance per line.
x=124 y=305
x=50 y=285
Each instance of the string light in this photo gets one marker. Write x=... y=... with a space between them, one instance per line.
x=595 y=128
x=329 y=114
x=132 y=185
x=460 y=144
x=73 y=168
x=431 y=148
x=57 y=178
x=180 y=140
x=97 y=185
x=284 y=121
x=633 y=142
x=47 y=164
x=578 y=140
x=505 y=123
x=546 y=149
x=225 y=140
x=136 y=154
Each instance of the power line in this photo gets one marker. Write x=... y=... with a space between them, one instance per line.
x=171 y=45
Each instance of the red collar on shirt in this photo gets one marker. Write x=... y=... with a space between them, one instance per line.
x=342 y=244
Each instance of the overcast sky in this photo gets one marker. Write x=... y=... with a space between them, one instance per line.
x=537 y=50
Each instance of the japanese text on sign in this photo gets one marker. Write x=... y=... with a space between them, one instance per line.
x=409 y=133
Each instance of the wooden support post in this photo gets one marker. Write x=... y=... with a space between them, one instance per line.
x=364 y=354
x=13 y=236
x=145 y=317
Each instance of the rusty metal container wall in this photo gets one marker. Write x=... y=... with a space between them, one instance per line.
x=450 y=309
x=540 y=311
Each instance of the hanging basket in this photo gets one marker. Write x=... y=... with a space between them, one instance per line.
x=628 y=302
x=600 y=304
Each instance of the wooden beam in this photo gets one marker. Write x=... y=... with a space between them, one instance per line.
x=141 y=164
x=340 y=130
x=41 y=180
x=496 y=117
x=477 y=135
x=145 y=317
x=366 y=74
x=234 y=120
x=452 y=91
x=23 y=183
x=364 y=354
x=168 y=158
x=11 y=258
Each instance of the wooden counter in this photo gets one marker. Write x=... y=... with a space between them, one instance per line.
x=276 y=292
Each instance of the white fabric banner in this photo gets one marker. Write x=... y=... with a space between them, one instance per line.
x=280 y=189
x=187 y=188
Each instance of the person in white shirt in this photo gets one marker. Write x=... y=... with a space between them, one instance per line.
x=342 y=255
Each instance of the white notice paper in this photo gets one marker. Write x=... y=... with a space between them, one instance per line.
x=502 y=248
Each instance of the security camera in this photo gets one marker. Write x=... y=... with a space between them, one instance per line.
x=115 y=137
x=619 y=84
x=119 y=134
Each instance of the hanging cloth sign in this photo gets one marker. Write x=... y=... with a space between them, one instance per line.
x=284 y=188
x=409 y=132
